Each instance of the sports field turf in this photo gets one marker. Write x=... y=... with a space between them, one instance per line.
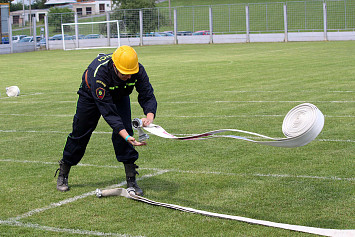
x=199 y=88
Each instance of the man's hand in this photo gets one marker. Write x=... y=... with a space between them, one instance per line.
x=124 y=134
x=133 y=141
x=148 y=120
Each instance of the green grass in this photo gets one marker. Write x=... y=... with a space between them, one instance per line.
x=294 y=186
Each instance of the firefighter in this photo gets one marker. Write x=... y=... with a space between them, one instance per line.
x=106 y=85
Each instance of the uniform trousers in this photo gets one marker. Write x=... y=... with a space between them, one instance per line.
x=84 y=123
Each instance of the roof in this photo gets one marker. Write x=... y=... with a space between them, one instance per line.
x=56 y=2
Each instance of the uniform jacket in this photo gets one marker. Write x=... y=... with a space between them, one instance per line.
x=102 y=84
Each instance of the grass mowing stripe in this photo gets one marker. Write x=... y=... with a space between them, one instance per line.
x=191 y=172
x=203 y=102
x=73 y=199
x=200 y=73
x=187 y=116
x=176 y=134
x=60 y=230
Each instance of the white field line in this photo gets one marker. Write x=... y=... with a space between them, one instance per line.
x=2 y=98
x=192 y=172
x=59 y=230
x=15 y=220
x=98 y=132
x=73 y=199
x=303 y=91
x=185 y=116
x=203 y=102
x=254 y=101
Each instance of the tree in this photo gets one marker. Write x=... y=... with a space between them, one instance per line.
x=39 y=4
x=17 y=6
x=134 y=4
x=58 y=16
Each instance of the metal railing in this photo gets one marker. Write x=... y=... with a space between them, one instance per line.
x=143 y=26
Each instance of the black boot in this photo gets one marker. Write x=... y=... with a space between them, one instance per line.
x=131 y=178
x=62 y=182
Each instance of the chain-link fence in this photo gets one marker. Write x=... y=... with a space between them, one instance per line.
x=231 y=18
x=228 y=23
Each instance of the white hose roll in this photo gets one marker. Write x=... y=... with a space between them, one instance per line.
x=301 y=125
x=12 y=91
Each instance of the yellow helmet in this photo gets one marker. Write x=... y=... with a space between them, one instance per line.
x=126 y=60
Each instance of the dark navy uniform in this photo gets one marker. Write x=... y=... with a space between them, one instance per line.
x=102 y=93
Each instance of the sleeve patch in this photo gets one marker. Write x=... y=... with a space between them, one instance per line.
x=100 y=93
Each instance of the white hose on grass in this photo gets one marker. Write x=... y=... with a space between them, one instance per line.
x=129 y=193
x=301 y=125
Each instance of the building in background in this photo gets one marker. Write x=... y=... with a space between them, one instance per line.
x=83 y=8
x=20 y=17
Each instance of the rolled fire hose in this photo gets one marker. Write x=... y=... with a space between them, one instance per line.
x=129 y=193
x=12 y=91
x=301 y=125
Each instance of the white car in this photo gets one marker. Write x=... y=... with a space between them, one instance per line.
x=29 y=39
x=17 y=38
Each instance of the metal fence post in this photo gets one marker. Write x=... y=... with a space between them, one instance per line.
x=247 y=23
x=325 y=21
x=211 y=25
x=34 y=31
x=175 y=27
x=285 y=22
x=46 y=31
x=141 y=27
x=10 y=34
x=76 y=30
x=108 y=29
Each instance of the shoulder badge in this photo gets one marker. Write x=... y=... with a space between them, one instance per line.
x=100 y=93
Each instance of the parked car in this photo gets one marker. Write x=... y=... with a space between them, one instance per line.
x=153 y=34
x=41 y=43
x=183 y=33
x=5 y=40
x=202 y=32
x=74 y=37
x=122 y=35
x=57 y=37
x=17 y=38
x=169 y=32
x=166 y=34
x=29 y=39
x=93 y=36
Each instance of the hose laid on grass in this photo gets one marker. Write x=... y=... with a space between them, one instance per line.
x=129 y=193
x=301 y=125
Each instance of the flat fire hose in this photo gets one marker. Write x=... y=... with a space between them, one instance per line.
x=301 y=125
x=129 y=193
